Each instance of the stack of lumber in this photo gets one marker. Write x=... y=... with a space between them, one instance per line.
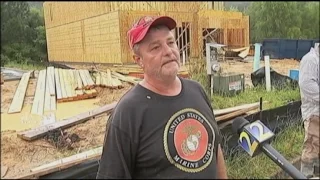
x=112 y=79
x=136 y=72
x=225 y=117
x=61 y=85
x=55 y=85
x=74 y=85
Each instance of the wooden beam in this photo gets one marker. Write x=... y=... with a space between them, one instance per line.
x=62 y=84
x=50 y=79
x=63 y=163
x=210 y=34
x=83 y=78
x=17 y=102
x=79 y=82
x=123 y=78
x=219 y=112
x=89 y=78
x=235 y=114
x=98 y=79
x=38 y=102
x=47 y=99
x=80 y=118
x=57 y=82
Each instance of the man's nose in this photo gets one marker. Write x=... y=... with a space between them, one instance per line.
x=168 y=51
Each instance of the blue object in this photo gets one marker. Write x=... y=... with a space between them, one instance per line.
x=294 y=74
x=256 y=60
x=286 y=48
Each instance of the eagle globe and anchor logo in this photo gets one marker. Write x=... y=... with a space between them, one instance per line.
x=187 y=143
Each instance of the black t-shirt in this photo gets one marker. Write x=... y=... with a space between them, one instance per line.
x=154 y=136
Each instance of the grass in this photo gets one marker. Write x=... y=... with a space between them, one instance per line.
x=287 y=142
x=24 y=66
x=275 y=98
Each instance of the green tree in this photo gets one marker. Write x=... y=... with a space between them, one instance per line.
x=274 y=20
x=22 y=33
x=309 y=13
x=13 y=17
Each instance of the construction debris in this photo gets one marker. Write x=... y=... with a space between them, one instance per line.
x=41 y=131
x=56 y=85
x=219 y=112
x=61 y=139
x=63 y=163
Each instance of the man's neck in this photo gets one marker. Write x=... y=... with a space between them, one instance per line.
x=169 y=87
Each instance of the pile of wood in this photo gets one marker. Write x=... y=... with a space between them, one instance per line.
x=61 y=85
x=224 y=116
x=55 y=85
x=112 y=79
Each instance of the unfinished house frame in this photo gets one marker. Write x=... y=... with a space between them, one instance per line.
x=86 y=32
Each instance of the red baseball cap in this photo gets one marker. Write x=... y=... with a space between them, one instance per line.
x=140 y=29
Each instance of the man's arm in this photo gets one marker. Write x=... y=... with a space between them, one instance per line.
x=221 y=166
x=308 y=79
x=117 y=159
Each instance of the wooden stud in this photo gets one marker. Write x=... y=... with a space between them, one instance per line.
x=18 y=99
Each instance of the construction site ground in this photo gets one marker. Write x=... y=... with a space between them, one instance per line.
x=19 y=156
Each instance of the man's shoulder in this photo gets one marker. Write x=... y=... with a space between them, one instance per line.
x=131 y=96
x=190 y=82
x=310 y=57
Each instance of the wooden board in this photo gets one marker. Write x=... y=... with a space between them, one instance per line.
x=57 y=83
x=219 y=112
x=50 y=79
x=38 y=102
x=79 y=81
x=47 y=99
x=42 y=130
x=124 y=78
x=62 y=84
x=235 y=114
x=62 y=163
x=77 y=157
x=89 y=78
x=17 y=102
x=50 y=98
x=98 y=79
x=83 y=78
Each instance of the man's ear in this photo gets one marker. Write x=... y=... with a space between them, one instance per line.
x=137 y=59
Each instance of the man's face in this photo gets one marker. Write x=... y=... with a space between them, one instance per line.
x=159 y=54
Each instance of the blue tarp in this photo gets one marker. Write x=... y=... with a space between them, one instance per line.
x=287 y=48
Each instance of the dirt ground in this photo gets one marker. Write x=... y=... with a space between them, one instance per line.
x=280 y=66
x=20 y=156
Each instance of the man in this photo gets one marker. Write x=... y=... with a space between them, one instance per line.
x=164 y=127
x=309 y=89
